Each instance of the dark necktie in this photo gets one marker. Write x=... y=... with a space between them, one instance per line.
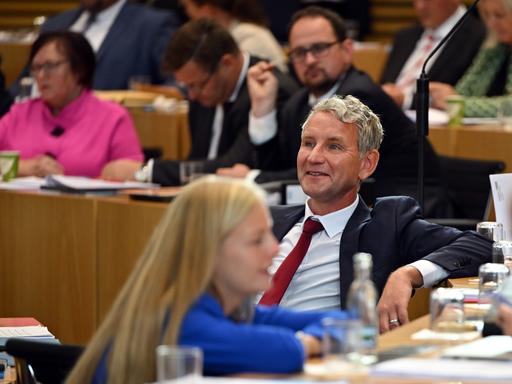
x=90 y=20
x=287 y=269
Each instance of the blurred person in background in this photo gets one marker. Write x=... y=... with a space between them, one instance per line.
x=489 y=79
x=67 y=130
x=413 y=44
x=246 y=21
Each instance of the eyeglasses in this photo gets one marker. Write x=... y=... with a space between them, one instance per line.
x=317 y=50
x=48 y=66
x=198 y=87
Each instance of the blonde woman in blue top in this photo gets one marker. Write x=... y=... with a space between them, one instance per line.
x=194 y=285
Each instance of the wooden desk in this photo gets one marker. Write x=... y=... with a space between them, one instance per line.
x=14 y=58
x=169 y=131
x=490 y=142
x=65 y=257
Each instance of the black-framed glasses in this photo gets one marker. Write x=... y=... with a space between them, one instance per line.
x=47 y=67
x=317 y=50
x=198 y=87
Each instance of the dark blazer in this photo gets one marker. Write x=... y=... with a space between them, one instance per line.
x=398 y=152
x=395 y=234
x=234 y=145
x=134 y=45
x=452 y=62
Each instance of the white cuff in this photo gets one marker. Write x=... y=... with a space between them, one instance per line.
x=253 y=174
x=262 y=129
x=431 y=272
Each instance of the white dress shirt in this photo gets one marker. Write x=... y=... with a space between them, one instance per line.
x=419 y=55
x=316 y=283
x=98 y=30
x=218 y=118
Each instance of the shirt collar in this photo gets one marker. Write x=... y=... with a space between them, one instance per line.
x=312 y=100
x=334 y=222
x=241 y=78
x=449 y=23
x=109 y=13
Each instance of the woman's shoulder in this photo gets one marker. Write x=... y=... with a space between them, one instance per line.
x=100 y=104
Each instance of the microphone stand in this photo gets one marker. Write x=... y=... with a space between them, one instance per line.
x=422 y=105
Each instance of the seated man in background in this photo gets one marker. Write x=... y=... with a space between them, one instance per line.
x=204 y=58
x=339 y=149
x=128 y=39
x=412 y=45
x=322 y=54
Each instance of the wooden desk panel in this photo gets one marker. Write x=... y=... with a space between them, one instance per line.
x=169 y=131
x=124 y=227
x=14 y=57
x=490 y=142
x=47 y=248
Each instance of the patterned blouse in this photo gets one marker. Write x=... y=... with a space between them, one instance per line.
x=478 y=79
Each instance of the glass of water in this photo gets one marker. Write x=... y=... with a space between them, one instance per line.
x=490 y=229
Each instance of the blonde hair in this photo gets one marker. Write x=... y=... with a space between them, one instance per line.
x=350 y=109
x=175 y=268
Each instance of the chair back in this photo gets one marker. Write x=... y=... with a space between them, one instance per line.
x=468 y=186
x=41 y=361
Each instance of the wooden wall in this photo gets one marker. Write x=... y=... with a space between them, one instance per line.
x=20 y=14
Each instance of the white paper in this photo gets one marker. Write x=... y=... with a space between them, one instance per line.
x=454 y=369
x=435 y=116
x=428 y=334
x=23 y=183
x=29 y=331
x=485 y=348
x=84 y=183
x=234 y=380
x=501 y=185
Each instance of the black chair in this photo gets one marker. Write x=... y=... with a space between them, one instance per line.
x=42 y=362
x=468 y=186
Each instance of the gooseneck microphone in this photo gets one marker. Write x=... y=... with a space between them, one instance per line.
x=57 y=131
x=422 y=104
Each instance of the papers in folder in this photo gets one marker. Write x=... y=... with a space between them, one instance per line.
x=79 y=184
x=445 y=369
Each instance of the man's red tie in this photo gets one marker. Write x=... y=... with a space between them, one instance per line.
x=287 y=269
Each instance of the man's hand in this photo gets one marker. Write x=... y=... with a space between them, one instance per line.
x=120 y=170
x=439 y=92
x=40 y=166
x=392 y=306
x=395 y=93
x=238 y=171
x=263 y=87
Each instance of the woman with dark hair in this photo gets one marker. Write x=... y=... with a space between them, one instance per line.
x=246 y=21
x=67 y=130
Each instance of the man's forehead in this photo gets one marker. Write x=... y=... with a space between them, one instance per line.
x=317 y=28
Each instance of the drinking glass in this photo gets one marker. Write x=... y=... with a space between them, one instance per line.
x=342 y=344
x=502 y=253
x=176 y=364
x=447 y=311
x=491 y=230
x=190 y=171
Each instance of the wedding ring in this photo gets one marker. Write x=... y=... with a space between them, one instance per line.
x=394 y=322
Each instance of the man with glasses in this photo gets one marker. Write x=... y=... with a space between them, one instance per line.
x=205 y=59
x=322 y=55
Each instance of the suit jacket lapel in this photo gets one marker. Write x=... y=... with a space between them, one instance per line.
x=115 y=33
x=349 y=245
x=285 y=219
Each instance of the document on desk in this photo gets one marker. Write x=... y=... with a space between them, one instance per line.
x=22 y=183
x=79 y=184
x=453 y=369
x=29 y=331
x=235 y=380
x=491 y=347
x=501 y=185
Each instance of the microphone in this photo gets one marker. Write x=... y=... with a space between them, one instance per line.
x=422 y=102
x=57 y=131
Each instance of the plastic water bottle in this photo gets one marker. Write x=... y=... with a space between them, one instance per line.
x=362 y=304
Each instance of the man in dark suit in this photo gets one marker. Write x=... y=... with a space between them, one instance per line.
x=321 y=55
x=128 y=39
x=339 y=149
x=205 y=59
x=412 y=45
